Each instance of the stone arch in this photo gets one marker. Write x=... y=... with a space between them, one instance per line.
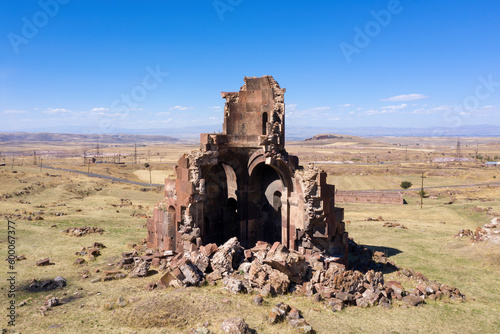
x=266 y=218
x=221 y=203
x=279 y=165
x=214 y=200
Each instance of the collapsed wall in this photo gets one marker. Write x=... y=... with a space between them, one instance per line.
x=243 y=183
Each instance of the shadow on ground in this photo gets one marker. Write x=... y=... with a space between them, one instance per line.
x=370 y=257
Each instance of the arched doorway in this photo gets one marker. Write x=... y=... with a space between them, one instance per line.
x=265 y=208
x=220 y=216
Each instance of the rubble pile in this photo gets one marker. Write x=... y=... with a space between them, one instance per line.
x=24 y=191
x=24 y=215
x=489 y=232
x=80 y=231
x=91 y=252
x=274 y=270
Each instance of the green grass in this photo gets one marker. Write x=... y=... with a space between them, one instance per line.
x=427 y=246
x=380 y=182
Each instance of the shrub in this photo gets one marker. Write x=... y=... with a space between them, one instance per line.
x=405 y=184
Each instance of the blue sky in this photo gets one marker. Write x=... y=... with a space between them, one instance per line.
x=102 y=66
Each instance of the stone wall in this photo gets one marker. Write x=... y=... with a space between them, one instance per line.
x=243 y=183
x=374 y=197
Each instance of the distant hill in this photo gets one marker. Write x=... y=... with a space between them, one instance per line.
x=328 y=136
x=303 y=132
x=83 y=138
x=336 y=139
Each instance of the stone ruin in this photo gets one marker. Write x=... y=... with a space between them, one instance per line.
x=242 y=212
x=243 y=183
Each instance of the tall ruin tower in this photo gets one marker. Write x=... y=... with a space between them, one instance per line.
x=256 y=114
x=243 y=183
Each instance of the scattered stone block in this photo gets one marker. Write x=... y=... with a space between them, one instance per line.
x=44 y=262
x=412 y=300
x=235 y=326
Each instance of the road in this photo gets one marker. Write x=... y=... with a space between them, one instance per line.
x=104 y=177
x=161 y=185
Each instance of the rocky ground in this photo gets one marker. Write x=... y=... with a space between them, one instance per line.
x=267 y=270
x=489 y=232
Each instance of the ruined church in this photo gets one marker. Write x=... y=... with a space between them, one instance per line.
x=242 y=183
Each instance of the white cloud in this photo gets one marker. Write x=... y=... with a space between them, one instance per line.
x=407 y=97
x=345 y=105
x=13 y=111
x=215 y=108
x=313 y=112
x=318 y=108
x=56 y=111
x=424 y=111
x=397 y=107
x=179 y=108
x=386 y=109
x=421 y=111
x=100 y=109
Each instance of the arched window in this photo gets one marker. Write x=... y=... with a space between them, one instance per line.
x=264 y=123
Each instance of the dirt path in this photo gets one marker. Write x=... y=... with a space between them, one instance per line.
x=161 y=185
x=105 y=177
x=441 y=187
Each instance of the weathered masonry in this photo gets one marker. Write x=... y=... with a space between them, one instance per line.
x=372 y=196
x=243 y=183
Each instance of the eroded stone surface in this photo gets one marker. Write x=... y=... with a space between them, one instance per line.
x=243 y=183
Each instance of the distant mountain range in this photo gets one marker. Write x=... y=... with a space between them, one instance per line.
x=83 y=138
x=293 y=133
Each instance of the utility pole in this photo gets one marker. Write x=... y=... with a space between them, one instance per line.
x=84 y=157
x=88 y=168
x=148 y=166
x=135 y=153
x=12 y=167
x=97 y=151
x=458 y=153
x=40 y=164
x=34 y=158
x=422 y=191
